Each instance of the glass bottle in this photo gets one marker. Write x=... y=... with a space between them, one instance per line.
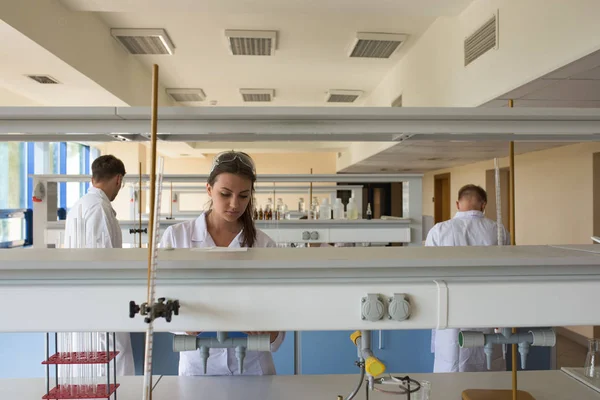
x=301 y=206
x=591 y=368
x=369 y=212
x=352 y=209
x=314 y=208
x=261 y=215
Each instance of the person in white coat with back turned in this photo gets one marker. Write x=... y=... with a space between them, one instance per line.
x=227 y=223
x=95 y=220
x=469 y=227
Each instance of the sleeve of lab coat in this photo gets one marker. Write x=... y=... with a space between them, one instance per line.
x=167 y=239
x=98 y=228
x=432 y=237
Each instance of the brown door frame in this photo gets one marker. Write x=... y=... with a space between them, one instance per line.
x=438 y=198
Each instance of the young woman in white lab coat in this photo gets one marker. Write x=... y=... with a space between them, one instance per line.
x=227 y=223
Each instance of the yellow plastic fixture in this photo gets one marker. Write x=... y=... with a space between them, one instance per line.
x=374 y=367
x=354 y=337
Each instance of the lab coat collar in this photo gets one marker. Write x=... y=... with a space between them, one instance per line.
x=200 y=233
x=100 y=193
x=469 y=214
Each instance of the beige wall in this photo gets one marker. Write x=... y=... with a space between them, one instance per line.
x=553 y=193
x=292 y=163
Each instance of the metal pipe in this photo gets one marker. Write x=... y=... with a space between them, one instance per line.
x=360 y=382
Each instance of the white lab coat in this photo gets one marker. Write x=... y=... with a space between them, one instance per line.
x=194 y=234
x=100 y=229
x=468 y=228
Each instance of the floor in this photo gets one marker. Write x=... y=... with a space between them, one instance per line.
x=569 y=353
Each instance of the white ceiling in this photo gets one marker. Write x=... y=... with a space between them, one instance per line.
x=430 y=8
x=311 y=56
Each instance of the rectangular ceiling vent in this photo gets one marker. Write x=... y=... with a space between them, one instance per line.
x=343 y=96
x=144 y=41
x=251 y=43
x=376 y=45
x=253 y=95
x=482 y=40
x=43 y=79
x=186 y=95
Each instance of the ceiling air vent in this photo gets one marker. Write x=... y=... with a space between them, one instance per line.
x=251 y=43
x=250 y=95
x=483 y=39
x=343 y=96
x=186 y=95
x=376 y=45
x=144 y=41
x=43 y=79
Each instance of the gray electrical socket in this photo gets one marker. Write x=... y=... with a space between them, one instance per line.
x=372 y=308
x=399 y=308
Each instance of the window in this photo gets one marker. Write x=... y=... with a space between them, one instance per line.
x=18 y=160
x=13 y=190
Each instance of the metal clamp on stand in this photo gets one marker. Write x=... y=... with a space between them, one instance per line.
x=160 y=309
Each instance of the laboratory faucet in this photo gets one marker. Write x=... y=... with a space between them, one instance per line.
x=241 y=345
x=534 y=337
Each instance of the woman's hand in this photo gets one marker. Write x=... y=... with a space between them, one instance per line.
x=273 y=334
x=193 y=333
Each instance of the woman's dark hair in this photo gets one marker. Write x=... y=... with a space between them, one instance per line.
x=237 y=167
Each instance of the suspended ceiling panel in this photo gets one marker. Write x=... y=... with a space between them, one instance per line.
x=425 y=155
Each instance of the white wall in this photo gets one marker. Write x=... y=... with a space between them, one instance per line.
x=536 y=37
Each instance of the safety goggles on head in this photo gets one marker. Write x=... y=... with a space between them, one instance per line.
x=230 y=156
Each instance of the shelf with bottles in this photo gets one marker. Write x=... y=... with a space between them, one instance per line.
x=184 y=198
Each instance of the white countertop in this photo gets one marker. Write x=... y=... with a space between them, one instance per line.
x=543 y=385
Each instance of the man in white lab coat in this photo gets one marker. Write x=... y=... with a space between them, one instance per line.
x=92 y=223
x=469 y=227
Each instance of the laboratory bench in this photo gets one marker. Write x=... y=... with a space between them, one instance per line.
x=543 y=385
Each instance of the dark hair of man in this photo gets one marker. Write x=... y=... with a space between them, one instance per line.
x=107 y=167
x=473 y=191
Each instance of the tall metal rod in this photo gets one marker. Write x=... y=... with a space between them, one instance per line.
x=114 y=335
x=48 y=365
x=140 y=209
x=56 y=352
x=153 y=129
x=154 y=204
x=511 y=203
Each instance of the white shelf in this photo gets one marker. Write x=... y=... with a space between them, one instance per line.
x=303 y=289
x=303 y=123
